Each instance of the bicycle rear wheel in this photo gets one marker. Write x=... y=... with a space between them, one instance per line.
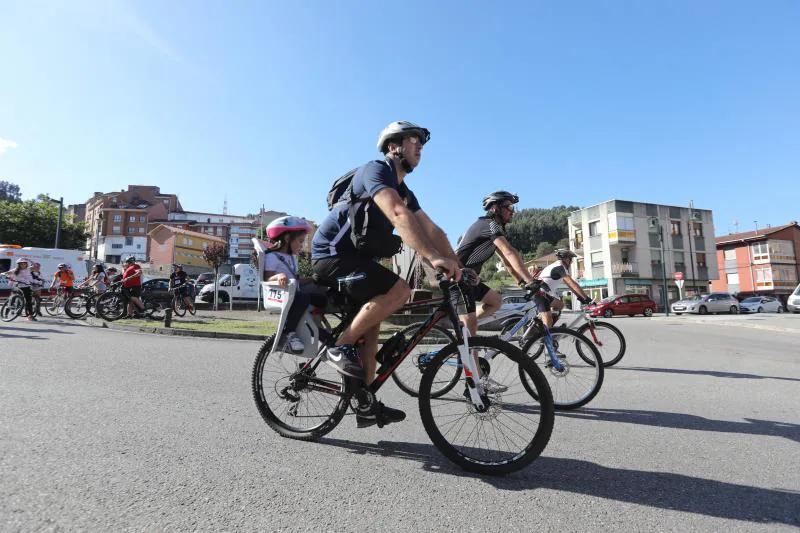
x=409 y=374
x=510 y=432
x=608 y=339
x=56 y=305
x=297 y=400
x=154 y=309
x=578 y=381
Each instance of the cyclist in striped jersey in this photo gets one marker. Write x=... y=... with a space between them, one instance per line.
x=482 y=240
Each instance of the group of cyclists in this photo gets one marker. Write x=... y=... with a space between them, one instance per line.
x=27 y=277
x=359 y=231
x=346 y=252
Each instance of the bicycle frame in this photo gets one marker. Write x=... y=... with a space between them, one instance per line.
x=316 y=340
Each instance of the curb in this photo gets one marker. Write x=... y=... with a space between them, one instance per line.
x=174 y=331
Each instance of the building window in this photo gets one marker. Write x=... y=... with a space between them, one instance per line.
x=132 y=218
x=680 y=266
x=733 y=279
x=187 y=240
x=116 y=229
x=730 y=254
x=141 y=230
x=131 y=230
x=697 y=229
x=760 y=251
x=116 y=246
x=701 y=260
x=763 y=274
x=676 y=227
x=128 y=241
x=138 y=246
x=597 y=259
x=593 y=228
x=117 y=218
x=655 y=257
x=205 y=245
x=579 y=239
x=142 y=218
x=219 y=230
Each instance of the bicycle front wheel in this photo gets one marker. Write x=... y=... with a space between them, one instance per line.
x=177 y=306
x=608 y=339
x=296 y=399
x=580 y=375
x=76 y=306
x=510 y=431
x=12 y=308
x=110 y=306
x=56 y=305
x=409 y=374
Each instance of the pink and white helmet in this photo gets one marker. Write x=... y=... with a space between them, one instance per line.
x=282 y=225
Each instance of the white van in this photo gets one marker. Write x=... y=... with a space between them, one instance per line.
x=243 y=285
x=793 y=302
x=48 y=258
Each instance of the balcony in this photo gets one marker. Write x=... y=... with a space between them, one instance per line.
x=619 y=236
x=625 y=270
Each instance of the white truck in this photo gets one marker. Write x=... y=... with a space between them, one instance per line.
x=243 y=285
x=48 y=258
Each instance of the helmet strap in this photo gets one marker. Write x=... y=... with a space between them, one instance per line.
x=399 y=156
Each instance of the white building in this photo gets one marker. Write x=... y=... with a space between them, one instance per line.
x=620 y=251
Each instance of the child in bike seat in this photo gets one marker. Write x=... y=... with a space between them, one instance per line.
x=286 y=237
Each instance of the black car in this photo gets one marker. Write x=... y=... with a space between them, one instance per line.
x=158 y=289
x=203 y=279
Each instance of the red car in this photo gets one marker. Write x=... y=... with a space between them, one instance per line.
x=628 y=304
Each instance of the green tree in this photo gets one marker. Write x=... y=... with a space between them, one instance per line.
x=215 y=255
x=304 y=269
x=544 y=248
x=530 y=227
x=33 y=223
x=9 y=192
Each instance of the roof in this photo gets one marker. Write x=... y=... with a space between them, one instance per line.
x=753 y=235
x=187 y=232
x=549 y=258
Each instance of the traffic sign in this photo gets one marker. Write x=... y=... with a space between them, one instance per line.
x=678 y=276
x=679 y=283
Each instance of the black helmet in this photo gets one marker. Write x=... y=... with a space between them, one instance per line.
x=176 y=266
x=400 y=129
x=499 y=196
x=565 y=253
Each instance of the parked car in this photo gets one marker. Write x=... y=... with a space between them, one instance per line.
x=760 y=304
x=158 y=289
x=716 y=302
x=793 y=302
x=628 y=304
x=203 y=279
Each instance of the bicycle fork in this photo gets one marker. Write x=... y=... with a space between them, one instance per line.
x=551 y=351
x=471 y=371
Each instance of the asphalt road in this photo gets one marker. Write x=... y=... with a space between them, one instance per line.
x=697 y=429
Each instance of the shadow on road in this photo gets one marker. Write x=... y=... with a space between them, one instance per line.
x=661 y=490
x=34 y=329
x=713 y=373
x=684 y=421
x=13 y=336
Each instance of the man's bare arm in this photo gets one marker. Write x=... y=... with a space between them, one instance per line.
x=437 y=235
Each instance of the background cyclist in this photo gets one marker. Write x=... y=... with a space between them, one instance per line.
x=132 y=285
x=21 y=276
x=64 y=277
x=179 y=282
x=390 y=205
x=556 y=280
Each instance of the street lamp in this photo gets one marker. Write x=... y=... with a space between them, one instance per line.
x=655 y=223
x=60 y=203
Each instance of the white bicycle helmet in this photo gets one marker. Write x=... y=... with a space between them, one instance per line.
x=398 y=130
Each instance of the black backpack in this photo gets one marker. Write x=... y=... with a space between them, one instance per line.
x=367 y=243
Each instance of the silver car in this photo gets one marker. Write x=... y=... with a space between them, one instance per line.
x=793 y=302
x=761 y=304
x=716 y=302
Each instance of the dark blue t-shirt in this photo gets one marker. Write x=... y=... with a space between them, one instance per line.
x=333 y=235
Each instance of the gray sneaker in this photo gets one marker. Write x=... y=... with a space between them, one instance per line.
x=346 y=360
x=490 y=386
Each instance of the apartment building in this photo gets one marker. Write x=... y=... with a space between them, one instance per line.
x=621 y=253
x=117 y=222
x=761 y=262
x=170 y=245
x=235 y=231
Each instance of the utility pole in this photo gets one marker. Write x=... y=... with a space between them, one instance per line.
x=663 y=264
x=690 y=236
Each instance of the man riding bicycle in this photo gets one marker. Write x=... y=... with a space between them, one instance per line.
x=179 y=282
x=381 y=200
x=132 y=285
x=556 y=280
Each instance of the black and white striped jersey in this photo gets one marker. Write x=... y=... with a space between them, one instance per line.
x=477 y=245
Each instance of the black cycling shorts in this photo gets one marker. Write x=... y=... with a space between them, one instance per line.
x=543 y=300
x=132 y=292
x=367 y=278
x=474 y=294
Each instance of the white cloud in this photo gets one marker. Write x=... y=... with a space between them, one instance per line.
x=6 y=145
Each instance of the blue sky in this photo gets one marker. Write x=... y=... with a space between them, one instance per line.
x=268 y=102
